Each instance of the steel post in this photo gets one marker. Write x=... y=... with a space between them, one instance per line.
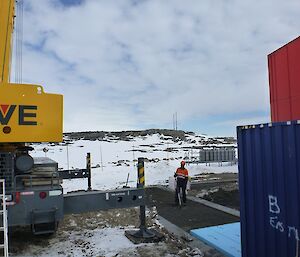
x=143 y=234
x=88 y=167
x=141 y=184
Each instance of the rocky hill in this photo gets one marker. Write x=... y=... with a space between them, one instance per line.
x=175 y=135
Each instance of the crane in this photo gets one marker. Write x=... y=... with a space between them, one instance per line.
x=33 y=185
x=27 y=113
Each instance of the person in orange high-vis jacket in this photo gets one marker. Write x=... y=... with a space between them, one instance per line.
x=181 y=176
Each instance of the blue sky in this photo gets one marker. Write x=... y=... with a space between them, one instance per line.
x=132 y=64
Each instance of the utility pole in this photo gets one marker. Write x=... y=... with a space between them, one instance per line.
x=168 y=158
x=175 y=121
x=101 y=158
x=133 y=155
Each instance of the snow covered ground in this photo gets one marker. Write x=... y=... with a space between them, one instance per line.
x=113 y=159
x=99 y=234
x=98 y=242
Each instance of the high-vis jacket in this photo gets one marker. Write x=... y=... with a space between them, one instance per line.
x=182 y=173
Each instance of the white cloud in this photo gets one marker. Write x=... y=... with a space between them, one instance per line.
x=243 y=122
x=121 y=65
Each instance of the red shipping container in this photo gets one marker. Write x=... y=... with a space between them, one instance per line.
x=284 y=79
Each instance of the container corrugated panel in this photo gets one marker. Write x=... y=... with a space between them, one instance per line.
x=284 y=80
x=269 y=181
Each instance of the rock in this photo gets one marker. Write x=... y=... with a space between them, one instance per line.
x=196 y=253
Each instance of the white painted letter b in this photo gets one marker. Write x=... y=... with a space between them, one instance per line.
x=273 y=205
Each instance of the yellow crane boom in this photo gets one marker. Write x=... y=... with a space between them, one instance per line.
x=6 y=29
x=27 y=113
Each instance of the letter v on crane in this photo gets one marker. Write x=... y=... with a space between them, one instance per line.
x=6 y=113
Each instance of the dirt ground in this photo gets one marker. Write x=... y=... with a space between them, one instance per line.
x=218 y=188
x=229 y=198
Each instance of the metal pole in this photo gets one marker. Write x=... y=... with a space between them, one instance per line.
x=143 y=235
x=68 y=157
x=168 y=157
x=133 y=155
x=88 y=167
x=141 y=173
x=141 y=184
x=101 y=157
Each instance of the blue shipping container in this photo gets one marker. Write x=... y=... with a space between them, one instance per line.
x=269 y=181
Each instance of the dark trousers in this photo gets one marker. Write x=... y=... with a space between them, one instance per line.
x=181 y=185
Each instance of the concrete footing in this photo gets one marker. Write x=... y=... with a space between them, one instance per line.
x=144 y=236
